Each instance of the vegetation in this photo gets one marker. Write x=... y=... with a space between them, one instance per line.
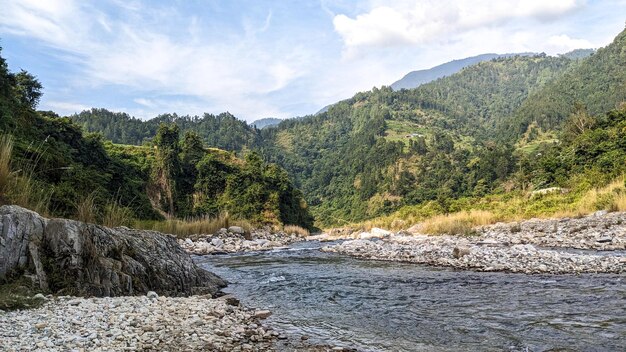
x=480 y=140
x=48 y=164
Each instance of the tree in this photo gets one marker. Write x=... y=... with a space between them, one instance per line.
x=28 y=89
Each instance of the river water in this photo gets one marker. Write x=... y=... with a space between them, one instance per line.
x=385 y=306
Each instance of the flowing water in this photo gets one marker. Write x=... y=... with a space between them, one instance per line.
x=385 y=306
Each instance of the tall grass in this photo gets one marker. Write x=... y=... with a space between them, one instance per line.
x=194 y=227
x=116 y=215
x=472 y=212
x=297 y=230
x=86 y=210
x=6 y=149
x=19 y=187
x=461 y=223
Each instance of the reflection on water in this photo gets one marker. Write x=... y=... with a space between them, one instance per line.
x=381 y=306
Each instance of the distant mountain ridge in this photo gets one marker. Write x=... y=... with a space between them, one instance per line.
x=266 y=122
x=415 y=79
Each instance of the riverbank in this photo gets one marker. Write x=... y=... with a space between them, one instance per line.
x=590 y=244
x=234 y=239
x=196 y=323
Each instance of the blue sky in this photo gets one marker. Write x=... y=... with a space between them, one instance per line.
x=280 y=58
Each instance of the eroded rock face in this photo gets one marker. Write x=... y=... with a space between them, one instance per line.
x=77 y=258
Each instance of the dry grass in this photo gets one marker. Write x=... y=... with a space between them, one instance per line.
x=194 y=227
x=19 y=187
x=492 y=209
x=116 y=215
x=297 y=230
x=6 y=150
x=460 y=223
x=86 y=209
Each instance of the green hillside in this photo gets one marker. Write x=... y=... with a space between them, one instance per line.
x=49 y=164
x=474 y=133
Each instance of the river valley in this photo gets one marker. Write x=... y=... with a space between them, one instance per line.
x=389 y=306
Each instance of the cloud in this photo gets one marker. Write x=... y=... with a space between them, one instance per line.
x=562 y=43
x=228 y=68
x=67 y=108
x=401 y=22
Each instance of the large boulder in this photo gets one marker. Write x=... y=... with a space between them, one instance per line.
x=71 y=257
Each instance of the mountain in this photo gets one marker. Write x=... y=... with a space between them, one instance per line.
x=266 y=122
x=598 y=83
x=579 y=54
x=414 y=79
x=222 y=131
x=497 y=125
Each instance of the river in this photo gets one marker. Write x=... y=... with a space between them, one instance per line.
x=385 y=306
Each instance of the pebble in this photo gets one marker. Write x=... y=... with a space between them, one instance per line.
x=166 y=323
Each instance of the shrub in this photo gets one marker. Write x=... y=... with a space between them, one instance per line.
x=293 y=229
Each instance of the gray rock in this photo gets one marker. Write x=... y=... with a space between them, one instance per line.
x=262 y=314
x=152 y=295
x=217 y=242
x=605 y=239
x=87 y=259
x=236 y=229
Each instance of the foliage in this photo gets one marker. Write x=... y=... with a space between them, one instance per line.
x=222 y=131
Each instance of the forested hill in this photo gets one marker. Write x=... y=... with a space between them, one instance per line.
x=466 y=135
x=415 y=79
x=598 y=83
x=48 y=164
x=223 y=131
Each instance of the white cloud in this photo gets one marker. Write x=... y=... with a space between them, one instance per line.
x=66 y=108
x=403 y=22
x=563 y=43
x=229 y=71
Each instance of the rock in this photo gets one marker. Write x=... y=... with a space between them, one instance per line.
x=40 y=296
x=459 y=252
x=488 y=242
x=236 y=229
x=604 y=239
x=380 y=233
x=152 y=295
x=230 y=300
x=217 y=242
x=262 y=314
x=92 y=260
x=41 y=325
x=600 y=213
x=188 y=242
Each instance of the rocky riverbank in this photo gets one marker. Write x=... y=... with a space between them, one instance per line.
x=195 y=323
x=144 y=323
x=234 y=239
x=556 y=246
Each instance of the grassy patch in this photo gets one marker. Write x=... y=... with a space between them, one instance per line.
x=18 y=295
x=293 y=229
x=193 y=227
x=467 y=213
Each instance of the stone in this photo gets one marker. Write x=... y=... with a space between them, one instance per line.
x=40 y=296
x=92 y=260
x=262 y=314
x=459 y=252
x=237 y=230
x=605 y=239
x=217 y=242
x=381 y=233
x=41 y=325
x=152 y=295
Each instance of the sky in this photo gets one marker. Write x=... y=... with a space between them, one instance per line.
x=261 y=58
